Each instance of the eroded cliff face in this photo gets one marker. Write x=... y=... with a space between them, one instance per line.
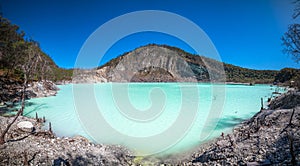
x=150 y=57
x=154 y=63
x=169 y=64
x=153 y=74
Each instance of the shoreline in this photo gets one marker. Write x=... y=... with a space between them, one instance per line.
x=42 y=147
x=264 y=139
x=221 y=82
x=127 y=157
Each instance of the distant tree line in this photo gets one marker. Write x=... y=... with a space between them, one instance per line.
x=233 y=73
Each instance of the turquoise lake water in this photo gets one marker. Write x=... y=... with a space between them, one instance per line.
x=218 y=109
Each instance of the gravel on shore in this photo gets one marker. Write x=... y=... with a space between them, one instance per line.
x=41 y=147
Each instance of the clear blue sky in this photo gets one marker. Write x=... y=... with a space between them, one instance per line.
x=245 y=32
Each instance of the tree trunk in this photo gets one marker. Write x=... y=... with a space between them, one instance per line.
x=2 y=137
x=20 y=112
x=23 y=95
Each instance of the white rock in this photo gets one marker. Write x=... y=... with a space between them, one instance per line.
x=25 y=125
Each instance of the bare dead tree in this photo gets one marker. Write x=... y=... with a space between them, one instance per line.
x=290 y=124
x=291 y=39
x=297 y=9
x=31 y=59
x=291 y=118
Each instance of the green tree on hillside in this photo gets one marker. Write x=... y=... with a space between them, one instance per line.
x=32 y=63
x=286 y=74
x=24 y=56
x=12 y=46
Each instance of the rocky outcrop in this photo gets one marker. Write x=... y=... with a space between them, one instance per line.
x=171 y=61
x=25 y=126
x=173 y=64
x=41 y=147
x=88 y=76
x=42 y=89
x=183 y=66
x=11 y=92
x=288 y=100
x=153 y=74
